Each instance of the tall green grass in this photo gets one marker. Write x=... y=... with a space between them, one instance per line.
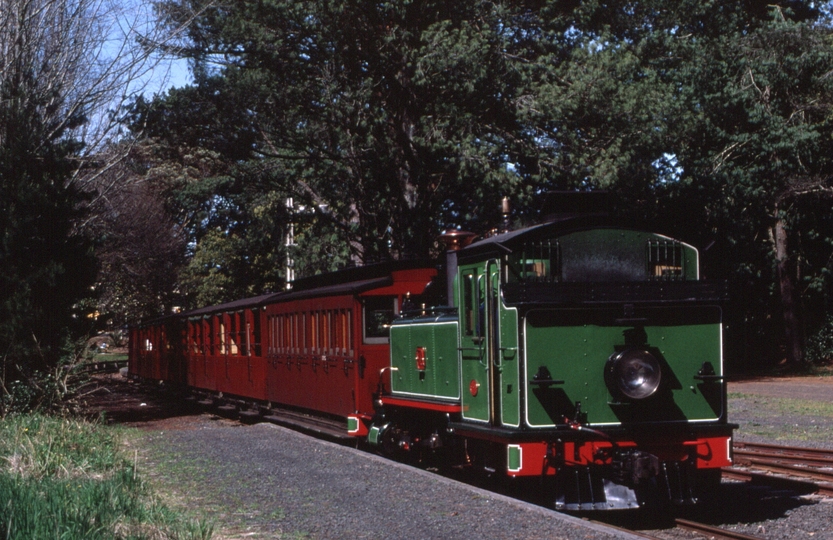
x=69 y=479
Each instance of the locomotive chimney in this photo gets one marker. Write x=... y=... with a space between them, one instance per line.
x=454 y=241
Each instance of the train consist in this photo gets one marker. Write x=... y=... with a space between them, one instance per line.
x=575 y=352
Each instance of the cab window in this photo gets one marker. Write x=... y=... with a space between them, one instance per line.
x=379 y=312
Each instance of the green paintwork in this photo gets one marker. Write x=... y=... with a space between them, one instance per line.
x=510 y=365
x=474 y=362
x=513 y=457
x=498 y=397
x=438 y=336
x=373 y=436
x=474 y=367
x=577 y=354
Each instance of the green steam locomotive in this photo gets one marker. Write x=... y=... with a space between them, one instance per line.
x=576 y=352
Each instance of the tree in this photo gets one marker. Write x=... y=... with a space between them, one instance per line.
x=59 y=74
x=381 y=124
x=140 y=247
x=47 y=269
x=767 y=161
x=396 y=120
x=712 y=124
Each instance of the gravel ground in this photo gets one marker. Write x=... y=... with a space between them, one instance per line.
x=267 y=482
x=797 y=411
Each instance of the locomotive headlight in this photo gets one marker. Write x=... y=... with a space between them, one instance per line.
x=634 y=372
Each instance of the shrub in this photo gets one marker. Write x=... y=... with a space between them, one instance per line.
x=820 y=344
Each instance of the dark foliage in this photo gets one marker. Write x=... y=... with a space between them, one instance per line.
x=389 y=122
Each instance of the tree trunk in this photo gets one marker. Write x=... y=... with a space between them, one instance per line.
x=790 y=303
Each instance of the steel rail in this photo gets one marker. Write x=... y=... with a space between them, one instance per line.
x=796 y=470
x=793 y=459
x=813 y=453
x=640 y=534
x=711 y=531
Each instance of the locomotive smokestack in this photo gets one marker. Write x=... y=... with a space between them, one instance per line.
x=453 y=240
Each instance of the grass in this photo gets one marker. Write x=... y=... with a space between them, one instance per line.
x=785 y=406
x=71 y=479
x=782 y=419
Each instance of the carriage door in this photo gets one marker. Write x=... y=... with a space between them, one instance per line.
x=474 y=360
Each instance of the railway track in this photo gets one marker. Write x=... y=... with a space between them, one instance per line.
x=709 y=531
x=807 y=469
x=712 y=532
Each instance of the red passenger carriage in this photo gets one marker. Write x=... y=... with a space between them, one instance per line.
x=321 y=347
x=157 y=350
x=225 y=351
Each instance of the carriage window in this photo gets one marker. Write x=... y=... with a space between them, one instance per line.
x=313 y=333
x=255 y=349
x=346 y=334
x=283 y=334
x=274 y=333
x=379 y=311
x=164 y=342
x=194 y=335
x=293 y=336
x=247 y=342
x=303 y=342
x=208 y=336
x=233 y=334
x=221 y=333
x=323 y=334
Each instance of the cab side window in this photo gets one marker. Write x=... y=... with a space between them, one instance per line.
x=378 y=313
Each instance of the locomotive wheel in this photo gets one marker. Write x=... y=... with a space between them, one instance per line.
x=389 y=440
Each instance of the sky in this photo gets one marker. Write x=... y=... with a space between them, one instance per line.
x=136 y=18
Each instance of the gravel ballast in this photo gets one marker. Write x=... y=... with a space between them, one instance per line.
x=269 y=481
